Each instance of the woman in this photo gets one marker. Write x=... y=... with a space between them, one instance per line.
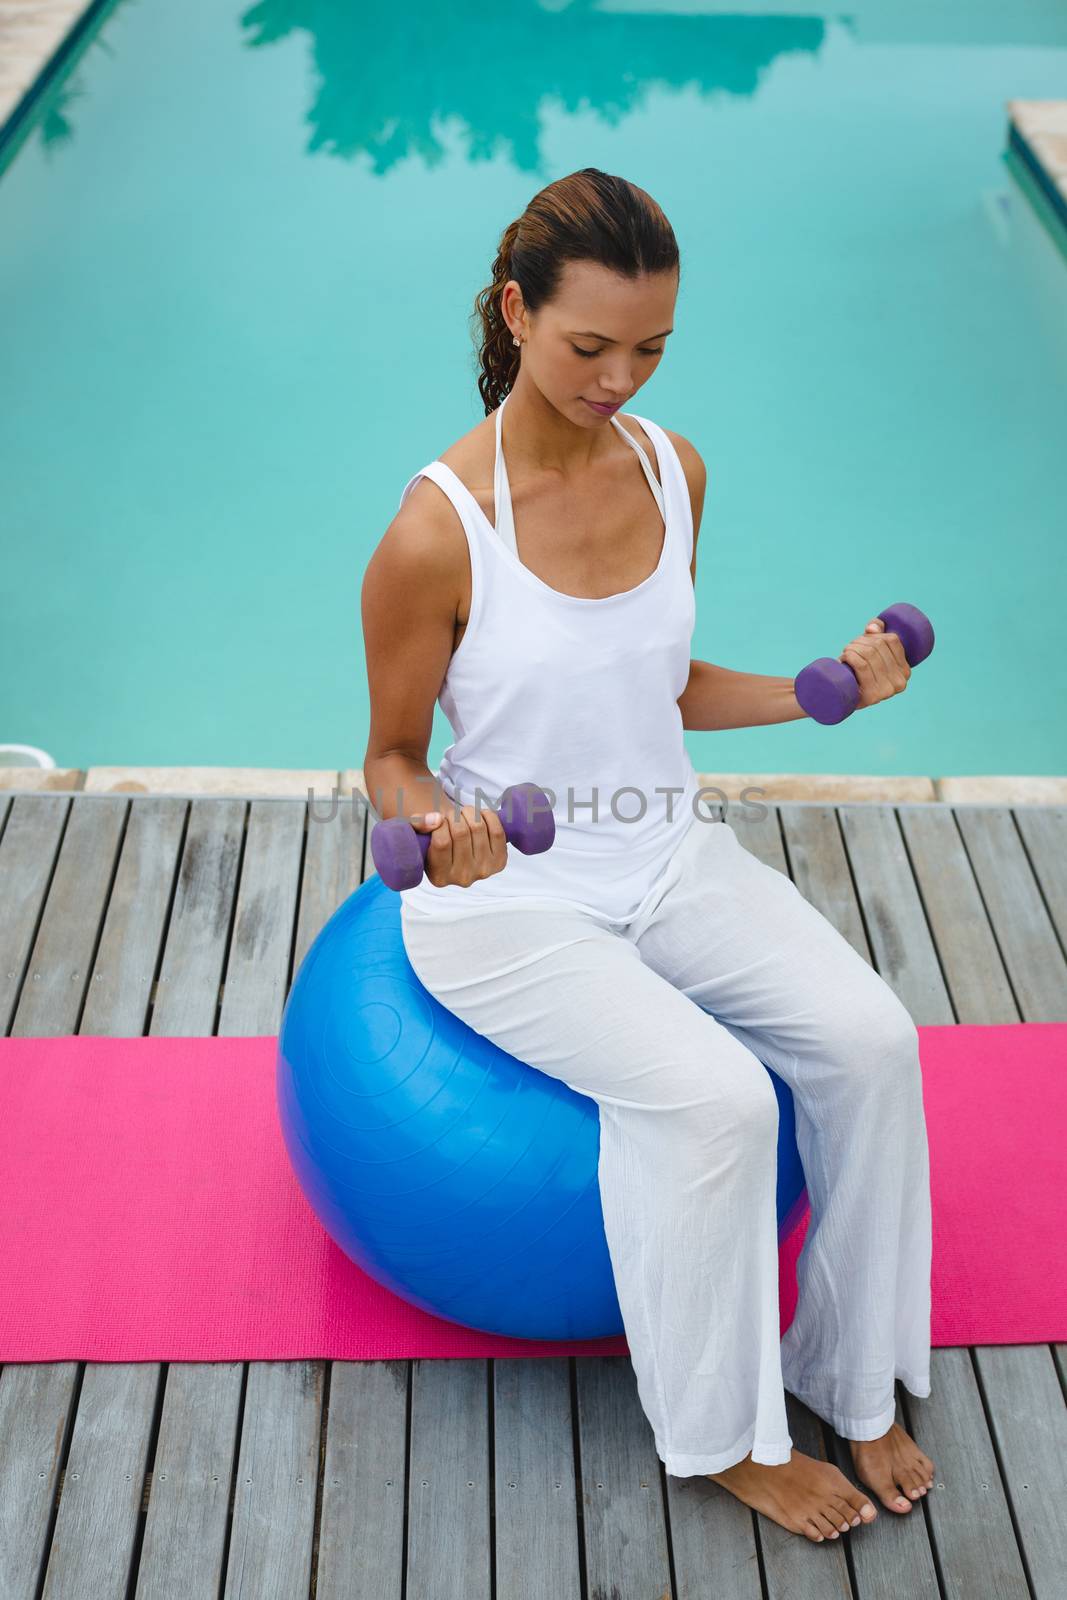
x=647 y=960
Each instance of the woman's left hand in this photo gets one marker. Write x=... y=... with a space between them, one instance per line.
x=877 y=658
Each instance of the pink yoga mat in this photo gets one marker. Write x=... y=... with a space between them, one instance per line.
x=148 y=1211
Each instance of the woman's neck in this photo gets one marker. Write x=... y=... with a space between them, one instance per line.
x=537 y=438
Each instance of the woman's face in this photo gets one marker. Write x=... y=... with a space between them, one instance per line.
x=598 y=340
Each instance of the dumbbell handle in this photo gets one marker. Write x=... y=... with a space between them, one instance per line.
x=828 y=690
x=399 y=851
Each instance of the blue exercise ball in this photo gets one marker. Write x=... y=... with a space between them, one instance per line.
x=462 y=1179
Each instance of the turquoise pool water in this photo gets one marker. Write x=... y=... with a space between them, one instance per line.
x=240 y=244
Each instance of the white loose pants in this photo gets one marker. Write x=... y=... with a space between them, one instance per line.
x=666 y=1020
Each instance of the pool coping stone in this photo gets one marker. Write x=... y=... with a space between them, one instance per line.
x=1037 y=132
x=32 y=33
x=828 y=788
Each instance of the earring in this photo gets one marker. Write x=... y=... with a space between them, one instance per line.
x=514 y=340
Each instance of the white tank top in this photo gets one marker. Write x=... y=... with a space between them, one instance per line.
x=577 y=695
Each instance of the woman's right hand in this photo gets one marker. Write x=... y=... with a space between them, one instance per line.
x=465 y=845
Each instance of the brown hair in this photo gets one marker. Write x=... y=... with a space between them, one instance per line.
x=587 y=216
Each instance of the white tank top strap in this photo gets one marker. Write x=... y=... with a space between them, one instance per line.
x=446 y=479
x=653 y=482
x=675 y=484
x=502 y=517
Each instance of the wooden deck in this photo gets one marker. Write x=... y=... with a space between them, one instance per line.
x=508 y=1479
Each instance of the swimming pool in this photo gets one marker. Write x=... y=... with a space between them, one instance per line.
x=240 y=247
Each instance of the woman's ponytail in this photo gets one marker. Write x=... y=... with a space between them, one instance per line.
x=498 y=355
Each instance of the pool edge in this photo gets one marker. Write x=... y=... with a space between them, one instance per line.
x=808 y=788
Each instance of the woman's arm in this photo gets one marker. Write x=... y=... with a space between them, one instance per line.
x=412 y=589
x=409 y=602
x=717 y=697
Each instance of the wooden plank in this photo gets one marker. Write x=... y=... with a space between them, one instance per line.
x=967 y=1508
x=120 y=989
x=36 y=1411
x=28 y=853
x=277 y=1473
x=103 y=1482
x=333 y=865
x=361 y=1529
x=448 y=1506
x=1044 y=833
x=714 y=1539
x=819 y=867
x=1035 y=962
x=795 y=1567
x=897 y=929
x=57 y=977
x=184 y=1546
x=624 y=1522
x=536 y=1525
x=195 y=952
x=898 y=1563
x=257 y=966
x=1029 y=1423
x=760 y=835
x=970 y=960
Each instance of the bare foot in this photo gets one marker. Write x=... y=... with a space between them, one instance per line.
x=803 y=1495
x=892 y=1463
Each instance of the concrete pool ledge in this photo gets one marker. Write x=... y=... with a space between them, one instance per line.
x=1038 y=135
x=32 y=33
x=811 y=788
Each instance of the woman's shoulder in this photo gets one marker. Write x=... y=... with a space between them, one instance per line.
x=472 y=458
x=427 y=538
x=427 y=505
x=427 y=531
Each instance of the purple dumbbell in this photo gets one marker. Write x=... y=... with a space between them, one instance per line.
x=399 y=851
x=827 y=689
